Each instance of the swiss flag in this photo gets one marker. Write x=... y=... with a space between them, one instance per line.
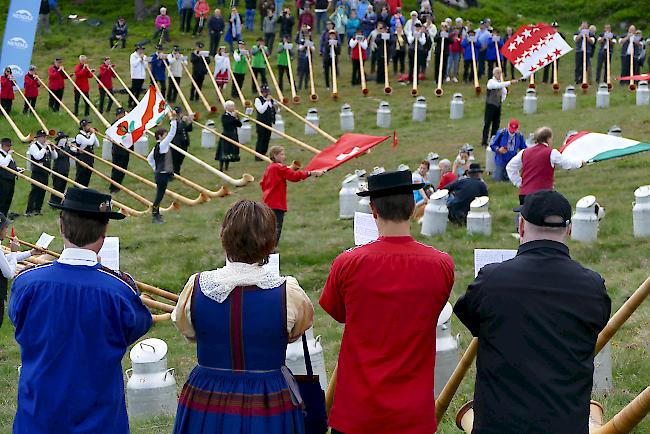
x=533 y=47
x=347 y=147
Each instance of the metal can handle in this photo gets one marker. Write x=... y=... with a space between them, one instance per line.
x=128 y=374
x=148 y=345
x=170 y=371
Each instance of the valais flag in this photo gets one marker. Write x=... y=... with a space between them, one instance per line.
x=146 y=115
x=533 y=47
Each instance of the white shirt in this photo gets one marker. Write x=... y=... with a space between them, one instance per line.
x=493 y=84
x=261 y=107
x=163 y=146
x=514 y=166
x=78 y=256
x=433 y=31
x=5 y=158
x=84 y=141
x=176 y=64
x=138 y=69
x=410 y=37
x=39 y=153
x=354 y=42
x=9 y=261
x=221 y=64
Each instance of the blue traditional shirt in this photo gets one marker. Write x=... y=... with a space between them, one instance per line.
x=158 y=69
x=503 y=139
x=74 y=321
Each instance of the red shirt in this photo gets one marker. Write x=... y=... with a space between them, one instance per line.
x=81 y=76
x=394 y=4
x=55 y=78
x=355 y=52
x=536 y=170
x=389 y=294
x=6 y=88
x=446 y=179
x=274 y=184
x=106 y=75
x=31 y=86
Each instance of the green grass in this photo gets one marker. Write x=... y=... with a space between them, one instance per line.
x=166 y=255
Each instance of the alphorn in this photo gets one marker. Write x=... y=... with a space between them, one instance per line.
x=415 y=69
x=335 y=87
x=275 y=81
x=555 y=85
x=209 y=108
x=477 y=85
x=85 y=98
x=306 y=122
x=531 y=81
x=214 y=83
x=23 y=138
x=253 y=76
x=244 y=102
x=184 y=100
x=439 y=92
x=614 y=323
x=629 y=417
x=632 y=86
x=496 y=47
x=313 y=96
x=585 y=82
x=280 y=133
x=50 y=133
x=108 y=92
x=387 y=89
x=608 y=65
x=234 y=142
x=292 y=83
x=128 y=90
x=362 y=72
x=331 y=388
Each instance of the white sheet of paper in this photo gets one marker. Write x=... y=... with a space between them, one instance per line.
x=365 y=228
x=110 y=253
x=484 y=257
x=44 y=240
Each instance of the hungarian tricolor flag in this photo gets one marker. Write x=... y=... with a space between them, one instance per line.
x=594 y=147
x=533 y=47
x=347 y=147
x=145 y=116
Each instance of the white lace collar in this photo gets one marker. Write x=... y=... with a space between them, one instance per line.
x=218 y=284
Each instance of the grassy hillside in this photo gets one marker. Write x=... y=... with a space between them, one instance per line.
x=166 y=255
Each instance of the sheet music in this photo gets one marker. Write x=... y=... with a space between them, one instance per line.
x=44 y=240
x=365 y=228
x=110 y=253
x=484 y=257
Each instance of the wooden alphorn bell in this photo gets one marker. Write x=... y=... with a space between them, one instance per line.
x=362 y=72
x=335 y=87
x=22 y=137
x=50 y=132
x=292 y=83
x=313 y=96
x=387 y=89
x=214 y=83
x=209 y=108
x=585 y=81
x=555 y=85
x=439 y=92
x=477 y=85
x=415 y=70
x=273 y=79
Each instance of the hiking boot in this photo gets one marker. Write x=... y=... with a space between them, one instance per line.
x=156 y=218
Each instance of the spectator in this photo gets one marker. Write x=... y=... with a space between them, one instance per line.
x=420 y=177
x=461 y=163
x=249 y=14
x=201 y=11
x=447 y=175
x=482 y=38
x=119 y=33
x=395 y=5
x=44 y=17
x=340 y=20
x=306 y=18
x=506 y=144
x=186 y=10
x=263 y=8
x=54 y=6
x=453 y=60
x=287 y=22
x=384 y=16
x=279 y=4
x=216 y=26
x=163 y=22
x=321 y=14
x=234 y=28
x=463 y=192
x=268 y=27
x=351 y=27
x=369 y=21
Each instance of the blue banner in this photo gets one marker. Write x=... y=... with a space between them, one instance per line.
x=18 y=41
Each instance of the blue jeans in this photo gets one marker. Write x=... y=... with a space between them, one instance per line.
x=500 y=174
x=249 y=19
x=321 y=20
x=278 y=7
x=452 y=65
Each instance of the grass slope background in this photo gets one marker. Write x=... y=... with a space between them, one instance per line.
x=166 y=255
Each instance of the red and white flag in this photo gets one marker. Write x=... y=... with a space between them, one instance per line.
x=533 y=47
x=145 y=116
x=347 y=147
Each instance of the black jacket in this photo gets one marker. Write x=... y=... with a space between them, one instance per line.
x=226 y=151
x=182 y=136
x=216 y=24
x=198 y=66
x=120 y=30
x=537 y=318
x=465 y=190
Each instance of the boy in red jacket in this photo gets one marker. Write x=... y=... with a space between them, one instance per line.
x=106 y=75
x=82 y=73
x=56 y=83
x=274 y=185
x=31 y=88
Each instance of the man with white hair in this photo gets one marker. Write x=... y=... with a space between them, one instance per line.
x=537 y=318
x=495 y=96
x=82 y=73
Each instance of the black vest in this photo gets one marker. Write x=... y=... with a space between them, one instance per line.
x=268 y=117
x=494 y=97
x=45 y=161
x=62 y=162
x=4 y=285
x=12 y=165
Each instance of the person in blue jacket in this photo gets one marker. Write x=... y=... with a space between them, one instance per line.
x=158 y=68
x=468 y=72
x=74 y=321
x=492 y=52
x=506 y=144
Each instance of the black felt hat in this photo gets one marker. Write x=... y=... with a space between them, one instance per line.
x=88 y=201
x=389 y=183
x=540 y=205
x=474 y=168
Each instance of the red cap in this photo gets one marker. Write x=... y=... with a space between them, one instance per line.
x=513 y=125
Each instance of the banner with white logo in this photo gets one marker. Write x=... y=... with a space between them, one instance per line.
x=18 y=41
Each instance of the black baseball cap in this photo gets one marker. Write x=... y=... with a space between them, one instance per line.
x=539 y=206
x=6 y=141
x=84 y=122
x=119 y=111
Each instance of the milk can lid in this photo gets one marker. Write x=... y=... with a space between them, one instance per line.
x=445 y=314
x=479 y=202
x=586 y=202
x=643 y=191
x=349 y=178
x=440 y=194
x=148 y=351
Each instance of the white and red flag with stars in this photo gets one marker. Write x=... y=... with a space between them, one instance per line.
x=533 y=47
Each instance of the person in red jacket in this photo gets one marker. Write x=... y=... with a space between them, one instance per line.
x=56 y=83
x=274 y=185
x=106 y=75
x=31 y=88
x=358 y=44
x=82 y=73
x=7 y=90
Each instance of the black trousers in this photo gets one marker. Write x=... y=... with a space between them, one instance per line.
x=468 y=72
x=481 y=64
x=77 y=97
x=327 y=71
x=37 y=194
x=380 y=69
x=356 y=73
x=186 y=19
x=399 y=58
x=32 y=101
x=215 y=38
x=602 y=65
x=6 y=104
x=492 y=118
x=2 y=311
x=162 y=84
x=83 y=174
x=172 y=93
x=178 y=158
x=282 y=72
x=625 y=68
x=53 y=103
x=269 y=38
x=263 y=138
x=59 y=185
x=113 y=41
x=198 y=78
x=136 y=89
x=578 y=68
x=121 y=160
x=198 y=26
x=7 y=187
x=260 y=74
x=240 y=82
x=103 y=96
x=279 y=220
x=162 y=179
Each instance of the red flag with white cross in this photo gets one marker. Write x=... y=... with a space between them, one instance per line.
x=533 y=47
